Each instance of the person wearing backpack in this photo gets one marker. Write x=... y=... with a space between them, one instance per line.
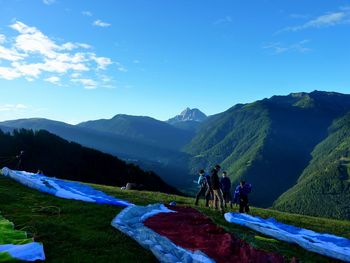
x=225 y=184
x=202 y=183
x=215 y=185
x=241 y=196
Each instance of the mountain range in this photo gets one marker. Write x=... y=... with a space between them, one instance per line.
x=68 y=160
x=280 y=145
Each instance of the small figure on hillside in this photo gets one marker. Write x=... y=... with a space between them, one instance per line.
x=225 y=183
x=39 y=171
x=202 y=183
x=19 y=159
x=241 y=196
x=215 y=184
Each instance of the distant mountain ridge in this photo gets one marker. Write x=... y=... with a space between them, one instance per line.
x=143 y=129
x=167 y=161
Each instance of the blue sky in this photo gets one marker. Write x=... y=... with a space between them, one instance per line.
x=80 y=60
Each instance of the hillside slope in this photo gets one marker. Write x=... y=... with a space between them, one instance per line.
x=143 y=129
x=74 y=231
x=60 y=158
x=268 y=142
x=324 y=187
x=169 y=164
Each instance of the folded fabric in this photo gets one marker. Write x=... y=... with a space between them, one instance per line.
x=14 y=244
x=324 y=244
x=130 y=222
x=62 y=188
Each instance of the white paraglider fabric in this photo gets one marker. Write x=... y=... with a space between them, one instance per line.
x=62 y=188
x=130 y=222
x=324 y=244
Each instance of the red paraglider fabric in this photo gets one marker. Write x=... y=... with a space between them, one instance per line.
x=192 y=230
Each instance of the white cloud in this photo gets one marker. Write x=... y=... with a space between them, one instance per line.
x=102 y=62
x=225 y=20
x=10 y=54
x=29 y=70
x=12 y=107
x=136 y=61
x=2 y=38
x=327 y=20
x=86 y=13
x=120 y=67
x=70 y=46
x=49 y=2
x=101 y=23
x=32 y=55
x=279 y=48
x=9 y=73
x=75 y=75
x=88 y=83
x=54 y=80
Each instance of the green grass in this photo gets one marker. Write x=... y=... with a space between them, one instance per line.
x=74 y=231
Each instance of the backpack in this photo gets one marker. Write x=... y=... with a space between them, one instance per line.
x=202 y=181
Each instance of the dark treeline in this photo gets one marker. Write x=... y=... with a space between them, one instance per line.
x=68 y=160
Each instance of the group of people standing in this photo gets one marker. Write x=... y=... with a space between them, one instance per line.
x=218 y=191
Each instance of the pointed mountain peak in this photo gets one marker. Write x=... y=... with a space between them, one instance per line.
x=188 y=115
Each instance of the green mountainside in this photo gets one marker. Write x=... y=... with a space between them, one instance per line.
x=268 y=142
x=324 y=187
x=60 y=158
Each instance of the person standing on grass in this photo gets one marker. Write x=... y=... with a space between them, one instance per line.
x=202 y=182
x=225 y=183
x=215 y=184
x=241 y=196
x=209 y=191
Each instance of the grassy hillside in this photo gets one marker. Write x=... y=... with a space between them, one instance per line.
x=74 y=231
x=324 y=187
x=268 y=142
x=60 y=158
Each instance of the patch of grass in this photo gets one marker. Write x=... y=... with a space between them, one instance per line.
x=81 y=232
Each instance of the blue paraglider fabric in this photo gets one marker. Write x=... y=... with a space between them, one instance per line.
x=324 y=244
x=62 y=188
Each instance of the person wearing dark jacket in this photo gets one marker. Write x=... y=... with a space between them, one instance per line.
x=209 y=191
x=241 y=196
x=215 y=184
x=225 y=183
x=202 y=182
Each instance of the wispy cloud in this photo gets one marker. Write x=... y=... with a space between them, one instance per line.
x=33 y=55
x=100 y=23
x=120 y=67
x=299 y=16
x=225 y=20
x=278 y=48
x=49 y=2
x=53 y=80
x=12 y=107
x=86 y=13
x=2 y=38
x=323 y=21
x=88 y=83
